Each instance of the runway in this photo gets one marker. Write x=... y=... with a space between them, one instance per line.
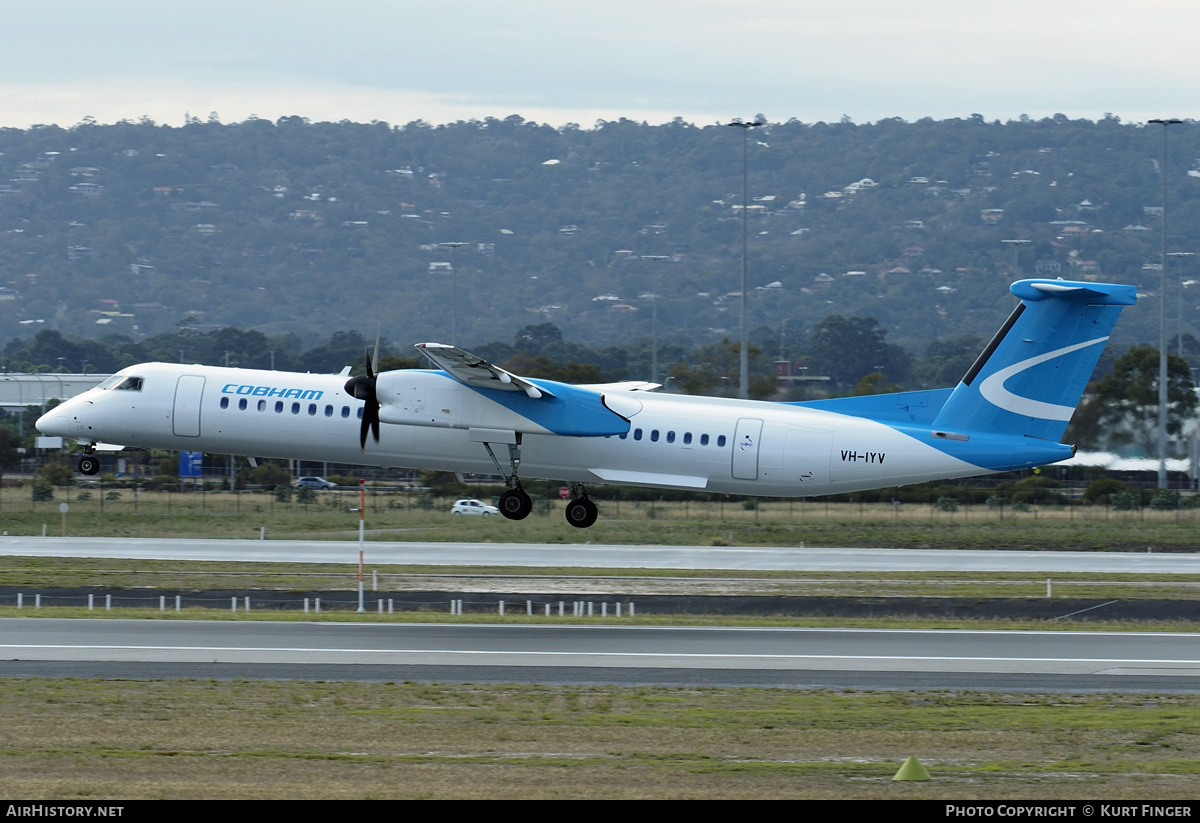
x=775 y=657
x=766 y=657
x=599 y=556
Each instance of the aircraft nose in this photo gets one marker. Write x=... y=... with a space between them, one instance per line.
x=64 y=420
x=54 y=423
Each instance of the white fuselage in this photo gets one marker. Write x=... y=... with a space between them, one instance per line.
x=434 y=422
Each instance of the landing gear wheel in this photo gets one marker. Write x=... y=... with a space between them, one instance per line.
x=581 y=512
x=88 y=464
x=515 y=504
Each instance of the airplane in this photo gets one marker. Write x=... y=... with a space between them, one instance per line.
x=467 y=415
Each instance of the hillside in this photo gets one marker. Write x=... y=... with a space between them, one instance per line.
x=306 y=228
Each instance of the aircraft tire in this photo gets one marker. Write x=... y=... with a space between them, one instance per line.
x=515 y=504
x=88 y=464
x=581 y=512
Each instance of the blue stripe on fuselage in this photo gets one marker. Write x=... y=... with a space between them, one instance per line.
x=568 y=410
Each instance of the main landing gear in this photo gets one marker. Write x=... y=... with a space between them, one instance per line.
x=515 y=503
x=581 y=511
x=89 y=464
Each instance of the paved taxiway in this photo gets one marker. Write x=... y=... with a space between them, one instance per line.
x=855 y=658
x=588 y=555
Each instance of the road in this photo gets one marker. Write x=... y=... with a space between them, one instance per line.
x=768 y=657
x=599 y=556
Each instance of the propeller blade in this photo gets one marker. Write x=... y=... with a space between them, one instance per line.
x=363 y=388
x=373 y=368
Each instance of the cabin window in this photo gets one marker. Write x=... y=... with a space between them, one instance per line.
x=360 y=410
x=687 y=438
x=262 y=405
x=329 y=411
x=637 y=434
x=312 y=408
x=345 y=411
x=295 y=408
x=624 y=435
x=654 y=435
x=279 y=407
x=224 y=402
x=670 y=437
x=704 y=440
x=721 y=441
x=242 y=404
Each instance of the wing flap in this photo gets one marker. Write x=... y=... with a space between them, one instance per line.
x=670 y=481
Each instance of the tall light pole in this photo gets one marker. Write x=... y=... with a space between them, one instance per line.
x=1016 y=246
x=1166 y=123
x=743 y=357
x=454 y=246
x=1179 y=305
x=654 y=316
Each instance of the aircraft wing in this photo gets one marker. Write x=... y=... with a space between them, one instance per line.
x=474 y=371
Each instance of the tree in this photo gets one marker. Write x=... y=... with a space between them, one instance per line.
x=1121 y=410
x=873 y=383
x=10 y=457
x=849 y=348
x=946 y=361
x=534 y=339
x=547 y=369
x=713 y=370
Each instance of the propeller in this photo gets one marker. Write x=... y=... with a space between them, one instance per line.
x=363 y=388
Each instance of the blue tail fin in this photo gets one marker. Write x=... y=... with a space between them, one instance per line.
x=1031 y=375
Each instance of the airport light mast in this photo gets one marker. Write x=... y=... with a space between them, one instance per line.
x=743 y=357
x=1166 y=123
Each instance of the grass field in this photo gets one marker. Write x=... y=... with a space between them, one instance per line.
x=396 y=516
x=99 y=740
x=123 y=739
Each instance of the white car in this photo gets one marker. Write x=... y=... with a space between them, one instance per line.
x=473 y=507
x=315 y=483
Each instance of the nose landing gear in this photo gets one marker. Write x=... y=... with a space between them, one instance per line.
x=89 y=464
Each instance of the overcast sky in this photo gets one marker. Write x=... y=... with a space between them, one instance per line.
x=563 y=62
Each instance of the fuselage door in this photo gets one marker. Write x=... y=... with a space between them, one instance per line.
x=745 y=448
x=806 y=458
x=185 y=421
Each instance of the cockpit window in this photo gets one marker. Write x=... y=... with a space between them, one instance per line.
x=131 y=384
x=112 y=381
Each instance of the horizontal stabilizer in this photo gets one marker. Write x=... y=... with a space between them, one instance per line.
x=628 y=385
